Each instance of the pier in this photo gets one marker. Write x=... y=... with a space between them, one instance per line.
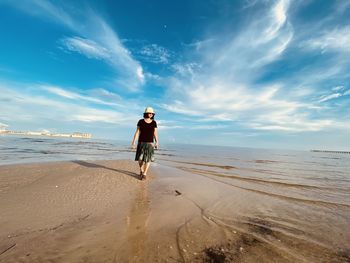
x=328 y=151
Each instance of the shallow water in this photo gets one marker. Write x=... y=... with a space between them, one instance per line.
x=16 y=149
x=285 y=206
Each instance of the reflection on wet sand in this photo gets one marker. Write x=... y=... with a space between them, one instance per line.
x=258 y=188
x=258 y=219
x=137 y=221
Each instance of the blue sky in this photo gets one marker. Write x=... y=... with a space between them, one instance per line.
x=249 y=73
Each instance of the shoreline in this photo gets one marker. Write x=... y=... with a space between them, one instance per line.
x=98 y=211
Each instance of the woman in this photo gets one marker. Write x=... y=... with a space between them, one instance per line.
x=146 y=132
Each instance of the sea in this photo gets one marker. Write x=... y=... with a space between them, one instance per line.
x=295 y=203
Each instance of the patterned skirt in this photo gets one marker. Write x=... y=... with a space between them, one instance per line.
x=145 y=152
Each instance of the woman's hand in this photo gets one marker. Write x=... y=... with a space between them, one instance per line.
x=156 y=146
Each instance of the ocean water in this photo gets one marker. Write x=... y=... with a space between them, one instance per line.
x=294 y=206
x=17 y=149
x=285 y=206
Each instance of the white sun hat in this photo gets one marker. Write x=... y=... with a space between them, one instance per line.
x=149 y=110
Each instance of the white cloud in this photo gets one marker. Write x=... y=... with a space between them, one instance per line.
x=105 y=94
x=208 y=127
x=168 y=124
x=291 y=123
x=75 y=96
x=258 y=110
x=342 y=5
x=179 y=107
x=240 y=134
x=44 y=8
x=339 y=92
x=259 y=43
x=96 y=39
x=170 y=127
x=223 y=100
x=279 y=18
x=186 y=69
x=61 y=92
x=86 y=47
x=198 y=45
x=336 y=40
x=329 y=97
x=26 y=106
x=97 y=116
x=224 y=87
x=155 y=54
x=249 y=3
x=217 y=82
x=338 y=88
x=130 y=71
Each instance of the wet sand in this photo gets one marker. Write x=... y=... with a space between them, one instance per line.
x=86 y=211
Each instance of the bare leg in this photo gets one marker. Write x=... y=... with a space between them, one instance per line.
x=146 y=166
x=141 y=164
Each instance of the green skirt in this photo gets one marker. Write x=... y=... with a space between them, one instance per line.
x=145 y=152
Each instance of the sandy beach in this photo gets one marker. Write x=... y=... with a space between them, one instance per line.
x=88 y=212
x=99 y=211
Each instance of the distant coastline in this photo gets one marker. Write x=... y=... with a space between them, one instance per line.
x=48 y=134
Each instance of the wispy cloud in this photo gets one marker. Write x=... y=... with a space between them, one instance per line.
x=329 y=97
x=336 y=92
x=181 y=108
x=208 y=127
x=105 y=95
x=155 y=54
x=186 y=69
x=43 y=8
x=168 y=124
x=76 y=96
x=342 y=5
x=338 y=88
x=290 y=123
x=86 y=47
x=225 y=87
x=258 y=110
x=275 y=70
x=337 y=40
x=261 y=42
x=22 y=105
x=249 y=3
x=95 y=39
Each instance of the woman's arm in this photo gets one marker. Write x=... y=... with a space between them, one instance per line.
x=156 y=137
x=136 y=135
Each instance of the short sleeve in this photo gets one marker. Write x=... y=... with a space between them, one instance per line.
x=155 y=124
x=139 y=123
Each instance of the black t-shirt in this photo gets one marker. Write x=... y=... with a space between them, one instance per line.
x=146 y=130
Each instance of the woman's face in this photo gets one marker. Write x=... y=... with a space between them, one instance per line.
x=150 y=115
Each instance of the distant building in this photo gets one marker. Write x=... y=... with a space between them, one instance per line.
x=81 y=135
x=34 y=133
x=3 y=127
x=60 y=135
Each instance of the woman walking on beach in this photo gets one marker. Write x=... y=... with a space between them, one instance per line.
x=146 y=132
